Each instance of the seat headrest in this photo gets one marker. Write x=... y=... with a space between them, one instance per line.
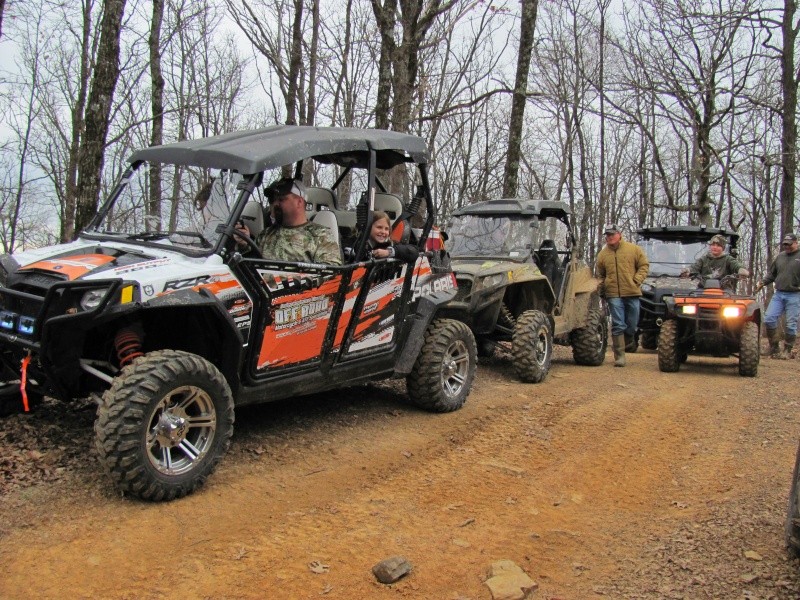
x=320 y=198
x=328 y=219
x=253 y=217
x=390 y=204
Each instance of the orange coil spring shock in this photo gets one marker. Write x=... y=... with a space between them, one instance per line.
x=128 y=344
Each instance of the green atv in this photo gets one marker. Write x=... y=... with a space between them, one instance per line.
x=515 y=284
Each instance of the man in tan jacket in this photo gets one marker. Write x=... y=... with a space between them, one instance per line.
x=622 y=266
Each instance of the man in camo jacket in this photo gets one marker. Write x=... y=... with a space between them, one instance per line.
x=717 y=264
x=293 y=237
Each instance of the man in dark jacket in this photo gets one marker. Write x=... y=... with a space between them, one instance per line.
x=622 y=266
x=785 y=273
x=717 y=264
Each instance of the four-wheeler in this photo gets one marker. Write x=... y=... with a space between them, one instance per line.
x=712 y=321
x=516 y=285
x=670 y=250
x=169 y=324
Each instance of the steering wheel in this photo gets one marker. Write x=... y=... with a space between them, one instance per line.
x=248 y=240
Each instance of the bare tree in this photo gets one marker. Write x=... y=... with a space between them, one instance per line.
x=157 y=107
x=527 y=25
x=104 y=81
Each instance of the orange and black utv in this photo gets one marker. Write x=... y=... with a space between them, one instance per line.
x=710 y=321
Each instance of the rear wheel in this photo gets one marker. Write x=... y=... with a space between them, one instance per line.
x=532 y=346
x=442 y=375
x=649 y=340
x=589 y=342
x=749 y=351
x=669 y=355
x=793 y=512
x=164 y=424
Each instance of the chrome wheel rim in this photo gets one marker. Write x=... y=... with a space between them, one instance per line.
x=541 y=347
x=455 y=367
x=181 y=430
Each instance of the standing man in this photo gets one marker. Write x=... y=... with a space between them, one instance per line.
x=292 y=237
x=785 y=273
x=622 y=267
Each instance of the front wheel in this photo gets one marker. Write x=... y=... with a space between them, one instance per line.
x=532 y=346
x=749 y=350
x=589 y=342
x=669 y=355
x=442 y=375
x=164 y=424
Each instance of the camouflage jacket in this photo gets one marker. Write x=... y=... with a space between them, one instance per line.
x=309 y=242
x=715 y=268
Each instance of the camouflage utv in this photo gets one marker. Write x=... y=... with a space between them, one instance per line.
x=517 y=284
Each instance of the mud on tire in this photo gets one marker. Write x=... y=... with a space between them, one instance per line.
x=749 y=350
x=589 y=342
x=442 y=375
x=669 y=355
x=164 y=424
x=532 y=346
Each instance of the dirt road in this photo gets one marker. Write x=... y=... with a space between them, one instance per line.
x=600 y=482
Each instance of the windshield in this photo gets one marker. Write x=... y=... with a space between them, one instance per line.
x=671 y=257
x=473 y=235
x=194 y=204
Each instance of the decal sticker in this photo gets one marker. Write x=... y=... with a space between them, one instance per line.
x=73 y=267
x=181 y=284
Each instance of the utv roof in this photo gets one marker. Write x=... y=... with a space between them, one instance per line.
x=515 y=206
x=688 y=233
x=256 y=150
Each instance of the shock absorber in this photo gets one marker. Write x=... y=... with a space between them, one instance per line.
x=128 y=344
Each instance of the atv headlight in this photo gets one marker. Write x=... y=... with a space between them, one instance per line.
x=647 y=288
x=493 y=280
x=731 y=312
x=689 y=309
x=93 y=298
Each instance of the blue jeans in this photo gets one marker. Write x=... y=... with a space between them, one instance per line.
x=788 y=302
x=624 y=315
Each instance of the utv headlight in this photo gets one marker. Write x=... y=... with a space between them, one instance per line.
x=647 y=288
x=689 y=309
x=493 y=280
x=93 y=298
x=731 y=312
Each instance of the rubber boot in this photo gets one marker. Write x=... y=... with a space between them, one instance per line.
x=630 y=343
x=788 y=346
x=774 y=344
x=619 y=350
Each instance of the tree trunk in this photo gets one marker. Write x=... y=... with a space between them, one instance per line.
x=104 y=81
x=157 y=99
x=789 y=80
x=385 y=16
x=519 y=98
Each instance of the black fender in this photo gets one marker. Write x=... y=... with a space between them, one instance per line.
x=427 y=308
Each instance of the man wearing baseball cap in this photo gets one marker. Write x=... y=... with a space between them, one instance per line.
x=785 y=273
x=716 y=264
x=622 y=266
x=292 y=237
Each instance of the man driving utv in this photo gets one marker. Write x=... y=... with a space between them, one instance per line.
x=716 y=263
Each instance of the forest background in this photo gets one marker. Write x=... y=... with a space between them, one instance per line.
x=655 y=112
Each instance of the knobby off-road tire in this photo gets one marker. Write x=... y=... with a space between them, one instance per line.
x=164 y=424
x=669 y=355
x=589 y=342
x=793 y=512
x=749 y=350
x=532 y=346
x=442 y=375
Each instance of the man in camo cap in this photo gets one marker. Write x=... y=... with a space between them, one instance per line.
x=716 y=263
x=292 y=237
